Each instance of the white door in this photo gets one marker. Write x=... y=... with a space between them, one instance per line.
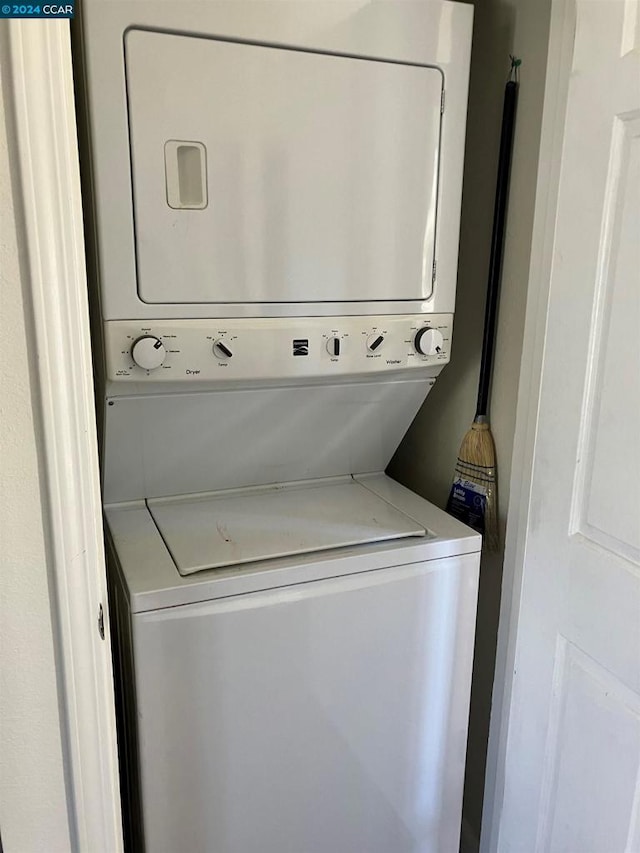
x=572 y=768
x=275 y=175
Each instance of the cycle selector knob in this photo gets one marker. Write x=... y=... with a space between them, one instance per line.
x=222 y=350
x=375 y=342
x=333 y=346
x=148 y=352
x=428 y=341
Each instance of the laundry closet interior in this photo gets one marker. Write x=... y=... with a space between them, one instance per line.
x=272 y=197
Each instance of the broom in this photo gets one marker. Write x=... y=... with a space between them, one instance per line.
x=473 y=497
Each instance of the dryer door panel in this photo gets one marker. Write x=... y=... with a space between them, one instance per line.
x=263 y=174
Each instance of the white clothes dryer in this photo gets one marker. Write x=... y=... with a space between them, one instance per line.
x=261 y=158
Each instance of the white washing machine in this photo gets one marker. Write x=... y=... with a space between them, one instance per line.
x=275 y=199
x=312 y=703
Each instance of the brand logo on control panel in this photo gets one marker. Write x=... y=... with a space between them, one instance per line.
x=301 y=346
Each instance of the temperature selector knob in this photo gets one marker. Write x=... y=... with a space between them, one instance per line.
x=375 y=342
x=428 y=341
x=333 y=346
x=221 y=349
x=148 y=352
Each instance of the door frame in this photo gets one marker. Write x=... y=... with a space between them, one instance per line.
x=44 y=109
x=559 y=65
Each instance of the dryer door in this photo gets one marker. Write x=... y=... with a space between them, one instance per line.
x=266 y=174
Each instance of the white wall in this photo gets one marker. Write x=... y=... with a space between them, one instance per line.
x=33 y=807
x=426 y=458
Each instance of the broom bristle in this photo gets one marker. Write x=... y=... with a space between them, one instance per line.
x=477 y=447
x=477 y=463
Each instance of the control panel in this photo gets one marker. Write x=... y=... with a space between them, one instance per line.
x=264 y=349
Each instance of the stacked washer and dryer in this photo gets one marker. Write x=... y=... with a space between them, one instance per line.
x=276 y=191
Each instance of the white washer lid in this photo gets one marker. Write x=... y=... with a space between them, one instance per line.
x=225 y=529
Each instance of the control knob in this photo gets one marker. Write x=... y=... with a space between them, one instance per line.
x=148 y=352
x=428 y=341
x=221 y=349
x=333 y=346
x=374 y=342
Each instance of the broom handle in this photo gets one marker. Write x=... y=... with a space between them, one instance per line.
x=497 y=243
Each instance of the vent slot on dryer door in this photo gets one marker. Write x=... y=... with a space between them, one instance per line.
x=302 y=177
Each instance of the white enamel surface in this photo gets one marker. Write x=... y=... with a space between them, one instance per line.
x=572 y=742
x=275 y=745
x=322 y=173
x=259 y=524
x=266 y=349
x=430 y=32
x=170 y=444
x=153 y=581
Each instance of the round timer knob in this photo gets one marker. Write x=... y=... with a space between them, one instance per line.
x=428 y=341
x=148 y=352
x=221 y=349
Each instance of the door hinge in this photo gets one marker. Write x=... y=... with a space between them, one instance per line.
x=101 y=622
x=442 y=102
